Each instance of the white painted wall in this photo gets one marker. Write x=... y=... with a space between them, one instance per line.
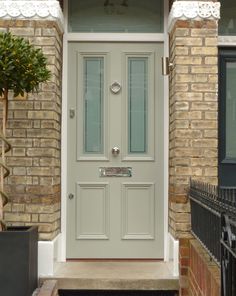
x=48 y=254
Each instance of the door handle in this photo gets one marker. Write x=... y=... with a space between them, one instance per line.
x=115 y=151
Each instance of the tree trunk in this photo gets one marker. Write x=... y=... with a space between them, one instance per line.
x=3 y=155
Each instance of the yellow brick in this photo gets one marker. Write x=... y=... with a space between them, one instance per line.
x=189 y=41
x=210 y=97
x=205 y=69
x=204 y=143
x=188 y=61
x=203 y=106
x=181 y=69
x=203 y=161
x=181 y=106
x=181 y=32
x=213 y=78
x=189 y=96
x=212 y=171
x=211 y=60
x=18 y=207
x=203 y=32
x=203 y=124
x=17 y=217
x=181 y=87
x=213 y=41
x=22 y=31
x=191 y=78
x=211 y=115
x=181 y=50
x=204 y=51
x=203 y=87
x=211 y=134
x=188 y=134
x=187 y=115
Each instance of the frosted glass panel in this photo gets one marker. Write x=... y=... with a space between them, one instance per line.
x=227 y=23
x=230 y=110
x=93 y=104
x=137 y=100
x=116 y=16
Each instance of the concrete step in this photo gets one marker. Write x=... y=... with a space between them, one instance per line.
x=115 y=275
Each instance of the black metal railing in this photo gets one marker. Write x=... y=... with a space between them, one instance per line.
x=213 y=218
x=208 y=203
x=228 y=256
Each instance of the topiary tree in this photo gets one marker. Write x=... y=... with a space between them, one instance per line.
x=22 y=69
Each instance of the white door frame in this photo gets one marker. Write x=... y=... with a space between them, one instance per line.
x=115 y=37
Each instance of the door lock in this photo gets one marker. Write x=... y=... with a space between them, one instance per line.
x=71 y=196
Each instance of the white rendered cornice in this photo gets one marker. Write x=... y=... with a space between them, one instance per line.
x=32 y=10
x=193 y=10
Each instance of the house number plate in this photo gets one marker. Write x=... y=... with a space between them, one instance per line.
x=115 y=172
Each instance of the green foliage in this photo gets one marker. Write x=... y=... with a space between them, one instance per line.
x=22 y=67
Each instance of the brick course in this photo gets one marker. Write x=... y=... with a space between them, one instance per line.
x=34 y=128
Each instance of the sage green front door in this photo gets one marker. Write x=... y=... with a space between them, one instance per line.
x=115 y=151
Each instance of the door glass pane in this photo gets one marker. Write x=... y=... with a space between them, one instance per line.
x=230 y=110
x=116 y=16
x=93 y=104
x=227 y=23
x=137 y=104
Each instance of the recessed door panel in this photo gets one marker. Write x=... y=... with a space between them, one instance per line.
x=92 y=211
x=138 y=211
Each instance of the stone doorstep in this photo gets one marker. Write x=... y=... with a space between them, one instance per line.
x=48 y=288
x=108 y=284
x=125 y=275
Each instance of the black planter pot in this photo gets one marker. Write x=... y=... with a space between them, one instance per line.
x=18 y=261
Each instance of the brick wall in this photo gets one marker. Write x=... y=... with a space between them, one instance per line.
x=203 y=273
x=184 y=254
x=34 y=132
x=193 y=121
x=193 y=114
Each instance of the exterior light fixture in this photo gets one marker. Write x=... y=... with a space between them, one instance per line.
x=167 y=67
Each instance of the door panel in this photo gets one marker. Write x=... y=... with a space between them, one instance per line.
x=116 y=91
x=92 y=200
x=138 y=211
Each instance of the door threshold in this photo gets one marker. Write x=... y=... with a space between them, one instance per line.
x=113 y=260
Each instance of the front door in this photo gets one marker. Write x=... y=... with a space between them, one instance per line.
x=115 y=151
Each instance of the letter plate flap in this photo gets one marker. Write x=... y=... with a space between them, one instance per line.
x=115 y=172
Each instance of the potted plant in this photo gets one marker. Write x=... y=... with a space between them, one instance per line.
x=22 y=69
